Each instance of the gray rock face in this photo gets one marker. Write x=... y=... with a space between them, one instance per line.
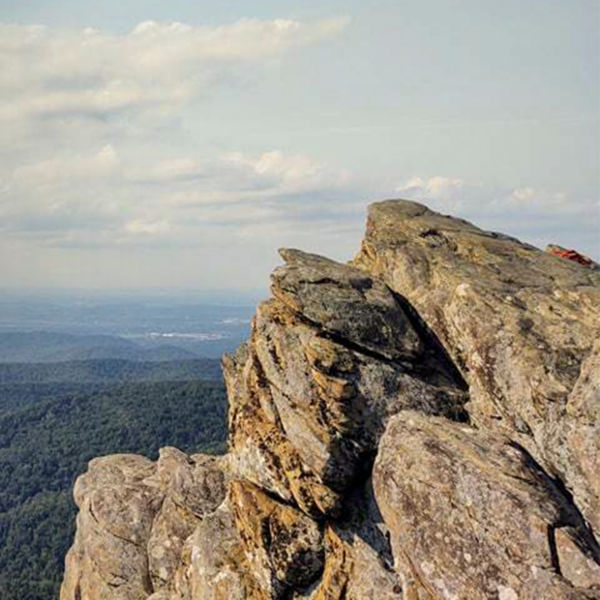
x=575 y=435
x=420 y=425
x=212 y=564
x=487 y=524
x=310 y=396
x=283 y=546
x=346 y=303
x=134 y=516
x=518 y=322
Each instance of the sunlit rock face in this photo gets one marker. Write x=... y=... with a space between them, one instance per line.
x=519 y=323
x=420 y=424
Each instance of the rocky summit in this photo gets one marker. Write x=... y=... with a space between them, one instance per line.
x=422 y=423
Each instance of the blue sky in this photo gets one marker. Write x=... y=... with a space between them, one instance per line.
x=177 y=145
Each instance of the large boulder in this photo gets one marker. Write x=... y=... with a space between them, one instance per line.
x=472 y=515
x=134 y=517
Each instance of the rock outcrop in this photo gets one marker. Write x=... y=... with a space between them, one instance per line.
x=517 y=322
x=420 y=424
x=134 y=518
x=487 y=525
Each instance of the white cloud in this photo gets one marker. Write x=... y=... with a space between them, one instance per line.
x=172 y=170
x=74 y=102
x=290 y=174
x=67 y=169
x=85 y=114
x=138 y=227
x=435 y=188
x=114 y=196
x=235 y=176
x=156 y=66
x=523 y=193
x=552 y=203
x=454 y=194
x=109 y=197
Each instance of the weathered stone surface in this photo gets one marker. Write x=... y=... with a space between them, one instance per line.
x=260 y=450
x=284 y=547
x=116 y=507
x=472 y=515
x=467 y=362
x=346 y=302
x=134 y=516
x=517 y=321
x=193 y=488
x=213 y=565
x=358 y=558
x=575 y=433
x=310 y=396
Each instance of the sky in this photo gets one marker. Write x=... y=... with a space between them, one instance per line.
x=177 y=145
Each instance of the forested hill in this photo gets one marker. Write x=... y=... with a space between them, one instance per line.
x=109 y=371
x=55 y=417
x=45 y=346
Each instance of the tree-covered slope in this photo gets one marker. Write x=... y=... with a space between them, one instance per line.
x=110 y=370
x=48 y=433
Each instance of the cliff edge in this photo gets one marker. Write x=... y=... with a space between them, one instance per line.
x=420 y=424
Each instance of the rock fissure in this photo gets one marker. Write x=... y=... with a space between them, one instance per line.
x=569 y=516
x=553 y=551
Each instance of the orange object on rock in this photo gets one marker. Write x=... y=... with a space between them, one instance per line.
x=573 y=255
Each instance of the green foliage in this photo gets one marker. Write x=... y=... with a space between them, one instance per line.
x=48 y=433
x=111 y=370
x=35 y=537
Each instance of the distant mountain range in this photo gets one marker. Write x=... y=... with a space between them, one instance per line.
x=34 y=329
x=44 y=346
x=80 y=378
